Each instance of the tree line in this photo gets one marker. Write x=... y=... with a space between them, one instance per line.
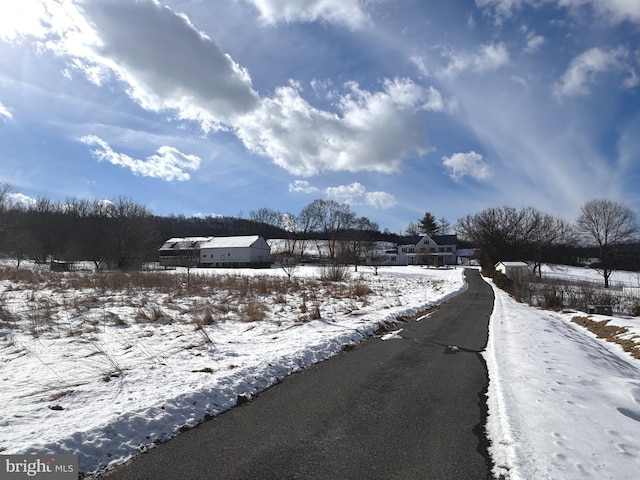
x=121 y=233
x=604 y=229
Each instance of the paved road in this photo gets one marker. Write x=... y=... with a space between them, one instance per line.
x=408 y=408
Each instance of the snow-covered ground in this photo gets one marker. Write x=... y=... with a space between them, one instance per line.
x=110 y=373
x=562 y=403
x=617 y=278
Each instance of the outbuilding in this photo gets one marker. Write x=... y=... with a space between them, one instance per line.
x=513 y=270
x=240 y=251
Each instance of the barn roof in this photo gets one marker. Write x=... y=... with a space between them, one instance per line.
x=229 y=242
x=184 y=243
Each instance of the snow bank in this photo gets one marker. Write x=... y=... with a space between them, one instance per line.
x=562 y=403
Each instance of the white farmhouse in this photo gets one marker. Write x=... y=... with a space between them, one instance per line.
x=242 y=251
x=436 y=250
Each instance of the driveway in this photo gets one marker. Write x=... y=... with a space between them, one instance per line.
x=408 y=407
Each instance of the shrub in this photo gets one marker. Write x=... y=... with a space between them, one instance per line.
x=253 y=311
x=334 y=272
x=552 y=297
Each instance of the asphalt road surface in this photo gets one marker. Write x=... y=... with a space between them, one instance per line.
x=407 y=408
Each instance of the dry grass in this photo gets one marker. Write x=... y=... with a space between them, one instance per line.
x=611 y=333
x=73 y=299
x=254 y=311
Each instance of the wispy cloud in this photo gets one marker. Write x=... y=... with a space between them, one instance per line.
x=168 y=164
x=5 y=111
x=350 y=13
x=584 y=69
x=487 y=58
x=612 y=11
x=534 y=42
x=463 y=164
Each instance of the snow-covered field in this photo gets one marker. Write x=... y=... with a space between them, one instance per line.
x=106 y=374
x=618 y=277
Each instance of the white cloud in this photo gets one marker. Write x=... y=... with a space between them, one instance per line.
x=420 y=64
x=613 y=11
x=583 y=69
x=381 y=200
x=356 y=194
x=487 y=58
x=472 y=164
x=165 y=62
x=5 y=111
x=168 y=164
x=302 y=186
x=534 y=42
x=374 y=131
x=342 y=12
x=18 y=19
x=167 y=65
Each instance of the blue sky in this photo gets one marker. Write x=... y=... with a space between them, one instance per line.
x=398 y=107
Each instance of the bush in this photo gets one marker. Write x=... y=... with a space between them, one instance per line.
x=334 y=272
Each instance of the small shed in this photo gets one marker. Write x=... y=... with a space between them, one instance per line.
x=513 y=270
x=241 y=251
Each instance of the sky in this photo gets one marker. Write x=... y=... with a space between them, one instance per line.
x=397 y=107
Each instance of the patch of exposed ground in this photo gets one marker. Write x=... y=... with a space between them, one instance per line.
x=611 y=333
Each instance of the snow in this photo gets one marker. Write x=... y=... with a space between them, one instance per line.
x=561 y=402
x=105 y=381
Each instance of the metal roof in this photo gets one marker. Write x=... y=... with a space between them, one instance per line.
x=230 y=242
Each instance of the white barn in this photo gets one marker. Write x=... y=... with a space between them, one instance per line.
x=242 y=251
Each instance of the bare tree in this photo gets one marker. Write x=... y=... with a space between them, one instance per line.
x=5 y=191
x=444 y=226
x=362 y=239
x=329 y=217
x=265 y=217
x=413 y=229
x=548 y=232
x=134 y=231
x=609 y=224
x=506 y=233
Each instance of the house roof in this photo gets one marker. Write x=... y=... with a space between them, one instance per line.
x=437 y=239
x=229 y=242
x=445 y=239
